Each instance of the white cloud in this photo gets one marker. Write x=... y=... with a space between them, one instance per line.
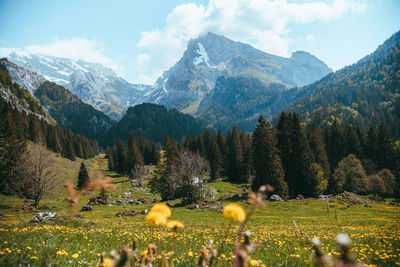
x=262 y=23
x=310 y=37
x=76 y=48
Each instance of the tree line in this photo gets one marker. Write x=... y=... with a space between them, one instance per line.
x=19 y=126
x=297 y=161
x=138 y=152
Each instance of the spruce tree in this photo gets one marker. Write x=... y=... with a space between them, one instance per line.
x=83 y=177
x=221 y=142
x=171 y=151
x=296 y=156
x=214 y=158
x=12 y=146
x=69 y=150
x=316 y=140
x=267 y=162
x=235 y=157
x=134 y=156
x=385 y=154
x=121 y=158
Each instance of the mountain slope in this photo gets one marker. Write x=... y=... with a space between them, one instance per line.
x=364 y=93
x=211 y=56
x=91 y=82
x=70 y=112
x=153 y=122
x=18 y=97
x=240 y=100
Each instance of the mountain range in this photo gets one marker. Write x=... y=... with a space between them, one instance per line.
x=224 y=83
x=186 y=86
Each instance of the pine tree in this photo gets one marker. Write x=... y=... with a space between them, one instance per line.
x=121 y=159
x=171 y=151
x=296 y=156
x=235 y=157
x=214 y=158
x=83 y=177
x=316 y=140
x=69 y=151
x=221 y=141
x=335 y=143
x=134 y=156
x=12 y=146
x=385 y=153
x=267 y=162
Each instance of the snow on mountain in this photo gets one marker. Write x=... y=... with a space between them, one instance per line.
x=93 y=83
x=210 y=56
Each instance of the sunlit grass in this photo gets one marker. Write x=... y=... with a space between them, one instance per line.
x=375 y=231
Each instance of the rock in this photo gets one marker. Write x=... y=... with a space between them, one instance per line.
x=127 y=213
x=46 y=217
x=276 y=198
x=299 y=197
x=97 y=201
x=87 y=208
x=144 y=211
x=147 y=200
x=24 y=208
x=323 y=197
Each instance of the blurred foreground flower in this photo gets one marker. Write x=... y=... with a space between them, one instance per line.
x=234 y=212
x=174 y=224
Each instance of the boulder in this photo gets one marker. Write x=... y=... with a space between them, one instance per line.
x=127 y=213
x=87 y=208
x=299 y=197
x=276 y=198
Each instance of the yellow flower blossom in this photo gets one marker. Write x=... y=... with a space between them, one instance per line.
x=76 y=255
x=254 y=263
x=174 y=224
x=108 y=262
x=156 y=218
x=234 y=212
x=161 y=208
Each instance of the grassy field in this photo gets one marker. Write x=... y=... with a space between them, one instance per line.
x=374 y=229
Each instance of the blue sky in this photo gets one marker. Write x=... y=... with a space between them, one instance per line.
x=141 y=39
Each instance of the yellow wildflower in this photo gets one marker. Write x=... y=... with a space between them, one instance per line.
x=254 y=263
x=108 y=262
x=156 y=218
x=76 y=255
x=174 y=224
x=234 y=212
x=190 y=253
x=161 y=208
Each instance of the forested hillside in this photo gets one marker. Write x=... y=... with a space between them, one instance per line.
x=153 y=122
x=365 y=93
x=71 y=113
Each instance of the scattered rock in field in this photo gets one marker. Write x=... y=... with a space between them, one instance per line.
x=144 y=211
x=393 y=203
x=97 y=201
x=127 y=213
x=120 y=202
x=46 y=217
x=323 y=197
x=87 y=208
x=276 y=198
x=351 y=199
x=193 y=206
x=147 y=200
x=109 y=205
x=24 y=208
x=299 y=197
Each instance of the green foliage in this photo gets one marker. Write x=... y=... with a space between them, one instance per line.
x=365 y=93
x=71 y=113
x=153 y=122
x=349 y=175
x=267 y=162
x=83 y=177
